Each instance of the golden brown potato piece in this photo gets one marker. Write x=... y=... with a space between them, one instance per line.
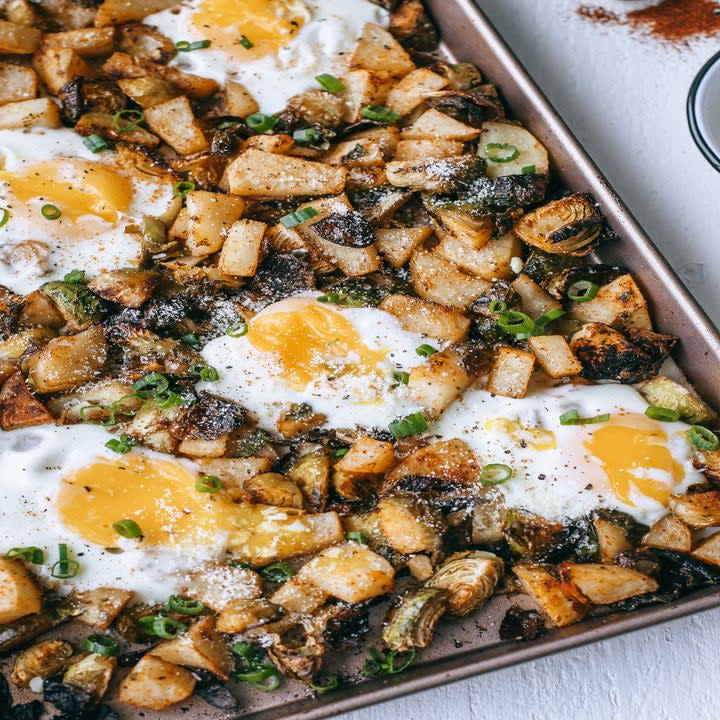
x=238 y=100
x=433 y=125
x=156 y=684
x=357 y=472
x=698 y=510
x=115 y=12
x=40 y=112
x=216 y=585
x=709 y=550
x=240 y=253
x=363 y=88
x=378 y=51
x=17 y=83
x=86 y=42
x=412 y=90
x=427 y=318
x=58 y=66
x=604 y=584
x=510 y=372
x=493 y=260
x=19 y=408
x=174 y=122
x=210 y=217
x=18 y=39
x=440 y=281
x=612 y=539
x=397 y=245
x=19 y=593
x=406 y=525
x=102 y=605
x=618 y=304
x=671 y=533
x=554 y=356
x=439 y=381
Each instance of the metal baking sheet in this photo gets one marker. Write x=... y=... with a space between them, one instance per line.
x=472 y=646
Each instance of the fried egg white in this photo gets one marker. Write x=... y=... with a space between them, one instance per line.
x=293 y=41
x=97 y=202
x=629 y=463
x=340 y=361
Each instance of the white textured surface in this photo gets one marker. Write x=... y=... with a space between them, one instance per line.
x=625 y=99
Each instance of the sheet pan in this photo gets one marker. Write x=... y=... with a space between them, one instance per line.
x=472 y=646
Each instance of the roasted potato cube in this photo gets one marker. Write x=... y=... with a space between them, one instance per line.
x=58 y=66
x=427 y=318
x=439 y=381
x=671 y=533
x=363 y=88
x=433 y=125
x=41 y=112
x=19 y=408
x=174 y=122
x=116 y=12
x=698 y=510
x=531 y=154
x=619 y=304
x=242 y=615
x=256 y=173
x=39 y=310
x=240 y=253
x=200 y=448
x=535 y=301
x=127 y=287
x=238 y=100
x=362 y=466
x=17 y=83
x=148 y=91
x=438 y=280
x=412 y=90
x=280 y=144
x=216 y=585
x=145 y=42
x=603 y=584
x=19 y=593
x=25 y=342
x=68 y=361
x=612 y=539
x=18 y=39
x=156 y=685
x=86 y=42
x=200 y=647
x=234 y=471
x=21 y=12
x=424 y=149
x=397 y=245
x=408 y=526
x=378 y=51
x=510 y=372
x=492 y=261
x=709 y=550
x=554 y=356
x=361 y=152
x=210 y=217
x=556 y=600
x=350 y=572
x=102 y=605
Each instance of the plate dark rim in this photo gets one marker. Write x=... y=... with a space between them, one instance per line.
x=695 y=131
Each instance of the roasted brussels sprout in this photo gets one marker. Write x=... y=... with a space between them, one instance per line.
x=488 y=519
x=499 y=292
x=273 y=489
x=412 y=623
x=462 y=76
x=299 y=651
x=92 y=674
x=46 y=659
x=543 y=267
x=22 y=631
x=211 y=417
x=349 y=229
x=531 y=536
x=278 y=276
x=75 y=302
x=83 y=95
x=127 y=287
x=519 y=624
x=316 y=108
x=666 y=393
x=366 y=291
x=311 y=472
x=412 y=26
x=568 y=226
x=470 y=578
x=435 y=175
x=559 y=284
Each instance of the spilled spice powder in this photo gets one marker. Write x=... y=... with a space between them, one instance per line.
x=672 y=21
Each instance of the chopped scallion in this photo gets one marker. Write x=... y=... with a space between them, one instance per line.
x=501 y=152
x=582 y=291
x=127 y=528
x=402 y=377
x=245 y=42
x=278 y=572
x=409 y=425
x=209 y=484
x=162 y=626
x=64 y=568
x=4 y=216
x=95 y=143
x=572 y=417
x=380 y=113
x=122 y=445
x=298 y=217
x=495 y=474
x=425 y=350
x=187 y=46
x=50 y=212
x=151 y=385
x=237 y=329
x=703 y=438
x=497 y=307
x=355 y=536
x=307 y=136
x=31 y=554
x=529 y=170
x=207 y=373
x=261 y=123
x=184 y=606
x=325 y=682
x=100 y=645
x=127 y=120
x=330 y=83
x=515 y=322
x=341 y=452
x=655 y=412
x=74 y=277
x=183 y=187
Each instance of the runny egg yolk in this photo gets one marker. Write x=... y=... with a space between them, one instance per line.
x=313 y=342
x=77 y=187
x=632 y=447
x=268 y=26
x=535 y=437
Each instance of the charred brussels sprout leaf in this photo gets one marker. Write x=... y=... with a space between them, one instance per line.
x=412 y=623
x=28 y=711
x=413 y=27
x=43 y=660
x=543 y=267
x=498 y=299
x=600 y=275
x=355 y=292
x=254 y=443
x=532 y=536
x=349 y=229
x=279 y=276
x=67 y=698
x=470 y=108
x=75 y=301
x=519 y=624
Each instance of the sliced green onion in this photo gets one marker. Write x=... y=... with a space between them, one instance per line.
x=261 y=123
x=572 y=417
x=260 y=677
x=425 y=350
x=209 y=484
x=307 y=136
x=341 y=452
x=50 y=212
x=162 y=626
x=97 y=415
x=703 y=438
x=190 y=339
x=298 y=217
x=392 y=663
x=100 y=645
x=169 y=400
x=184 y=606
x=325 y=682
x=546 y=318
x=64 y=568
x=409 y=425
x=249 y=653
x=31 y=554
x=74 y=277
x=495 y=474
x=515 y=322
x=356 y=537
x=528 y=170
x=237 y=329
x=402 y=377
x=380 y=113
x=127 y=120
x=228 y=124
x=497 y=307
x=122 y=445
x=655 y=412
x=207 y=373
x=127 y=528
x=151 y=385
x=501 y=152
x=582 y=291
x=95 y=143
x=278 y=572
x=245 y=42
x=330 y=83
x=187 y=46
x=182 y=188
x=4 y=216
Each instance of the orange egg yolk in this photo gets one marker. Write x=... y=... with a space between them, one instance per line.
x=267 y=25
x=77 y=187
x=313 y=342
x=630 y=447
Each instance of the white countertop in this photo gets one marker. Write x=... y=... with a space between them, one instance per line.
x=624 y=97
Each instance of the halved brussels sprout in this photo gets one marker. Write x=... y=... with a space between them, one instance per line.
x=273 y=489
x=43 y=660
x=91 y=674
x=412 y=26
x=666 y=393
x=412 y=623
x=559 y=285
x=470 y=578
x=299 y=651
x=311 y=472
x=471 y=108
x=531 y=536
x=568 y=226
x=75 y=302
